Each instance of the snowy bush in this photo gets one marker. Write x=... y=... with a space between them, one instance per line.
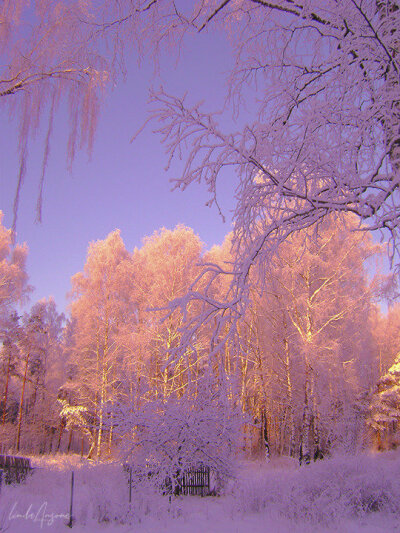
x=345 y=487
x=165 y=438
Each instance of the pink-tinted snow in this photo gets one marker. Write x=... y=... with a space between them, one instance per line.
x=344 y=494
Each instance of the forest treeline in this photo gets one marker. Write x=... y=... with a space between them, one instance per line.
x=310 y=365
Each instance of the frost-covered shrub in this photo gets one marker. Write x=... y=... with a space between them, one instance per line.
x=165 y=438
x=321 y=493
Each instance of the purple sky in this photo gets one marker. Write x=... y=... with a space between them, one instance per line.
x=123 y=185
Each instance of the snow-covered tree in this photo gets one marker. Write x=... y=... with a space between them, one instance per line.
x=9 y=356
x=13 y=277
x=385 y=407
x=74 y=417
x=305 y=349
x=386 y=335
x=164 y=268
x=47 y=60
x=32 y=353
x=100 y=308
x=14 y=290
x=323 y=135
x=46 y=374
x=168 y=437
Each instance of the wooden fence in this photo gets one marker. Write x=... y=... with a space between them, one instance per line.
x=195 y=481
x=15 y=469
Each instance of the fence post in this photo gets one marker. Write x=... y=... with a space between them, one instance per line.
x=71 y=500
x=130 y=483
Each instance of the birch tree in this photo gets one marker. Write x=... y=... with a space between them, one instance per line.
x=324 y=136
x=31 y=345
x=47 y=60
x=165 y=267
x=14 y=287
x=9 y=359
x=101 y=304
x=46 y=374
x=14 y=290
x=323 y=77
x=306 y=350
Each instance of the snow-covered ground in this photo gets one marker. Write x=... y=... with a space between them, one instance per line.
x=343 y=494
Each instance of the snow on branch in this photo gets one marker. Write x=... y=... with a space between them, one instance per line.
x=324 y=137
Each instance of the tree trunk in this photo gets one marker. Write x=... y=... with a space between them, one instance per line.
x=110 y=437
x=318 y=454
x=62 y=426
x=289 y=416
x=70 y=440
x=264 y=425
x=100 y=432
x=102 y=395
x=305 y=454
x=92 y=446
x=21 y=402
x=5 y=397
x=35 y=392
x=243 y=376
